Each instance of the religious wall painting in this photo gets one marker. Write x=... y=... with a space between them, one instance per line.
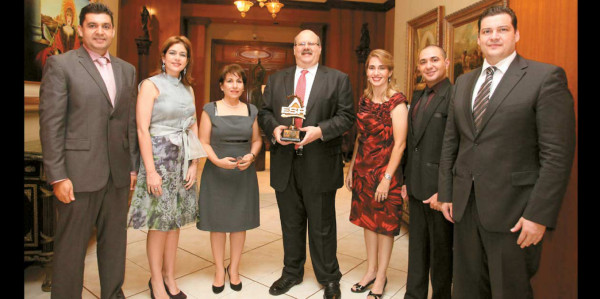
x=461 y=38
x=423 y=31
x=50 y=29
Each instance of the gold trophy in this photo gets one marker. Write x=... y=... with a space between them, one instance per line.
x=294 y=110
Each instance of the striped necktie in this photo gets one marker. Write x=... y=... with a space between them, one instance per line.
x=483 y=97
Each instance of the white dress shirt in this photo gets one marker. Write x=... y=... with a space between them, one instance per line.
x=310 y=78
x=502 y=67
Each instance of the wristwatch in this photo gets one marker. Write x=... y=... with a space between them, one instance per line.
x=387 y=176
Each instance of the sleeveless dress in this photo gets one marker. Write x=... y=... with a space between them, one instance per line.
x=373 y=154
x=228 y=200
x=173 y=145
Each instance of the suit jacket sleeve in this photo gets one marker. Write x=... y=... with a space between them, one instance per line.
x=53 y=111
x=449 y=154
x=555 y=122
x=134 y=150
x=344 y=116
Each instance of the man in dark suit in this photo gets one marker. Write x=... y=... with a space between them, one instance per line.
x=307 y=174
x=429 y=234
x=90 y=152
x=506 y=159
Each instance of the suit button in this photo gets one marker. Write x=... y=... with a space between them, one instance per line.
x=416 y=149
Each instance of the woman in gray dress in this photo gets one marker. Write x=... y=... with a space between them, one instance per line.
x=164 y=200
x=228 y=199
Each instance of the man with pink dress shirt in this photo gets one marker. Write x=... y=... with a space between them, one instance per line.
x=90 y=152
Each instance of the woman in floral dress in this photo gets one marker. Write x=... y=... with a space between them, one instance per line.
x=164 y=200
x=374 y=176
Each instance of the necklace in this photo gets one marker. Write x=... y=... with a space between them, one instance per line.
x=230 y=106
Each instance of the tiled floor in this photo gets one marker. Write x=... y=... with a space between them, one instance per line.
x=262 y=259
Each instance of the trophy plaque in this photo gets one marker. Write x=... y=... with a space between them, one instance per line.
x=294 y=110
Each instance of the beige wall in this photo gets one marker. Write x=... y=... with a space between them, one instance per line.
x=31 y=119
x=408 y=10
x=243 y=33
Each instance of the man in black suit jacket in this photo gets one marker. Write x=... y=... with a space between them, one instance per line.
x=430 y=235
x=306 y=179
x=506 y=160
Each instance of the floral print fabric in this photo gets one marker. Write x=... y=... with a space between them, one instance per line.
x=375 y=144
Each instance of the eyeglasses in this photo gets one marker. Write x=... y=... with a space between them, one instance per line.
x=304 y=44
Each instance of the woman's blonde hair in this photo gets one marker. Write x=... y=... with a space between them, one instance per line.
x=386 y=59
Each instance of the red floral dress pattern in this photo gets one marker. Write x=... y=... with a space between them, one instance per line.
x=375 y=144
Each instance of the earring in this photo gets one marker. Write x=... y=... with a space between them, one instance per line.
x=389 y=79
x=163 y=67
x=184 y=71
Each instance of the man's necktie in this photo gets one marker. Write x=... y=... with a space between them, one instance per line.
x=483 y=97
x=108 y=78
x=300 y=91
x=421 y=107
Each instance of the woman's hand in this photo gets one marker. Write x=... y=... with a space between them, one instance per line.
x=190 y=177
x=245 y=162
x=227 y=163
x=154 y=183
x=349 y=180
x=382 y=190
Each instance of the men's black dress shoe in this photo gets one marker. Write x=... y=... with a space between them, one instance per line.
x=180 y=295
x=283 y=284
x=332 y=290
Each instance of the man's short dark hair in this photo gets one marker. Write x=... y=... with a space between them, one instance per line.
x=95 y=8
x=497 y=10
x=436 y=46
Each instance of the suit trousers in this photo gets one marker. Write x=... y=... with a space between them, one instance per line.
x=490 y=264
x=297 y=208
x=107 y=210
x=429 y=252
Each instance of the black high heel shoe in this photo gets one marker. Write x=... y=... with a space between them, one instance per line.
x=180 y=295
x=150 y=285
x=378 y=296
x=235 y=287
x=220 y=289
x=358 y=288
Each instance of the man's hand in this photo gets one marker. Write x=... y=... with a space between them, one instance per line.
x=433 y=203
x=447 y=211
x=133 y=181
x=531 y=232
x=403 y=192
x=312 y=133
x=277 y=135
x=63 y=190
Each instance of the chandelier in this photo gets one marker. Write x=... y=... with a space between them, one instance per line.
x=273 y=6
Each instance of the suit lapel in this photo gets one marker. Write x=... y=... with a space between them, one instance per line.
x=317 y=85
x=467 y=104
x=86 y=61
x=116 y=66
x=288 y=81
x=429 y=110
x=513 y=75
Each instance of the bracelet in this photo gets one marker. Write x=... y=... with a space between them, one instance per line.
x=253 y=156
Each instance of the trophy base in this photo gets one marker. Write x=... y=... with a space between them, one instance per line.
x=290 y=135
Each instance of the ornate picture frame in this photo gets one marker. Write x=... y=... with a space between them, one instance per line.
x=422 y=31
x=461 y=38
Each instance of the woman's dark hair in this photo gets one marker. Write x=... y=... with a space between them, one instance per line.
x=234 y=69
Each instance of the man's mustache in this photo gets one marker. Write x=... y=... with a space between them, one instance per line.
x=307 y=52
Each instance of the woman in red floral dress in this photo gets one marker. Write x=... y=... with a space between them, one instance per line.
x=374 y=176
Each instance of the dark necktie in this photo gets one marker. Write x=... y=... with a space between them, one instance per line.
x=483 y=97
x=420 y=107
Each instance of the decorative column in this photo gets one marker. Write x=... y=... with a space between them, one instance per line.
x=143 y=46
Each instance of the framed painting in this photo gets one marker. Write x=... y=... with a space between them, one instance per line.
x=461 y=38
x=50 y=29
x=423 y=31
